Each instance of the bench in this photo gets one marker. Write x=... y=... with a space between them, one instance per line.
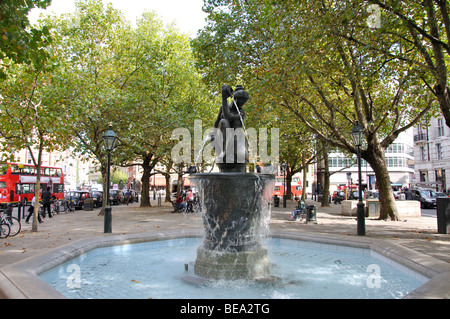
x=177 y=208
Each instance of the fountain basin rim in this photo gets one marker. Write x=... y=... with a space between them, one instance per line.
x=21 y=280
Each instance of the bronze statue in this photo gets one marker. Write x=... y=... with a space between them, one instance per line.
x=231 y=116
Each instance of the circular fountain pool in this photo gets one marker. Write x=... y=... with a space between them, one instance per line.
x=304 y=270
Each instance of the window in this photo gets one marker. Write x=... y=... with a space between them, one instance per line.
x=440 y=128
x=55 y=172
x=45 y=171
x=15 y=169
x=422 y=154
x=342 y=162
x=26 y=188
x=395 y=161
x=2 y=184
x=396 y=148
x=423 y=176
x=438 y=151
x=58 y=188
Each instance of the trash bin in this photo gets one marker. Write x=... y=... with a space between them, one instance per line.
x=88 y=204
x=443 y=215
x=276 y=201
x=311 y=214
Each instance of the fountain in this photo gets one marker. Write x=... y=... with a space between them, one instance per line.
x=235 y=212
x=235 y=203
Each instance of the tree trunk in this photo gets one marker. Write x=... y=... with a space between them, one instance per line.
x=34 y=225
x=288 y=189
x=326 y=179
x=375 y=157
x=167 y=176
x=304 y=184
x=180 y=184
x=145 y=197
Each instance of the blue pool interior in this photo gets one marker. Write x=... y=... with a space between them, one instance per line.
x=306 y=270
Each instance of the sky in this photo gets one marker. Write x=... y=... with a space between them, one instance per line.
x=187 y=14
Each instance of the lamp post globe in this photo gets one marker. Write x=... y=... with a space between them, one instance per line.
x=109 y=138
x=357 y=134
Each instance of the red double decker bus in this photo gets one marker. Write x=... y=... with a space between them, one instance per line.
x=296 y=186
x=18 y=182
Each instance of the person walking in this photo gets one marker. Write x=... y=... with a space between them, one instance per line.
x=31 y=211
x=46 y=198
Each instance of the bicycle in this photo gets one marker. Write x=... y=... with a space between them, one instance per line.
x=12 y=222
x=55 y=207
x=4 y=230
x=69 y=205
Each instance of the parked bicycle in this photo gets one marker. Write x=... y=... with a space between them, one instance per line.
x=12 y=222
x=4 y=230
x=55 y=207
x=69 y=205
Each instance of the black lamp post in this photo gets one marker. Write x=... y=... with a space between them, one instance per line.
x=284 y=167
x=109 y=138
x=357 y=136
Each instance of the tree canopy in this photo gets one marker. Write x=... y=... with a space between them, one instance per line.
x=20 y=42
x=301 y=55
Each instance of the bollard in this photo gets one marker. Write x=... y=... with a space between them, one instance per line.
x=276 y=201
x=443 y=215
x=311 y=214
x=108 y=219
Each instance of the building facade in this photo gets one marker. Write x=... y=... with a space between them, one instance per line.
x=432 y=155
x=399 y=160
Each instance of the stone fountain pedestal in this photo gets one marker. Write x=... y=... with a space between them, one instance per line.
x=235 y=210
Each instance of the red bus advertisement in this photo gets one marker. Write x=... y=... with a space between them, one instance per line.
x=296 y=186
x=18 y=182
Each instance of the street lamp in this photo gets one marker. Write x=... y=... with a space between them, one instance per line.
x=357 y=136
x=284 y=167
x=109 y=138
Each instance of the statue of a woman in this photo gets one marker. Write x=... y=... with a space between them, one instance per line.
x=231 y=116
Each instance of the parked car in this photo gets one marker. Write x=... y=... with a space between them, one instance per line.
x=77 y=197
x=133 y=197
x=97 y=196
x=338 y=197
x=115 y=197
x=354 y=195
x=440 y=195
x=425 y=197
x=371 y=194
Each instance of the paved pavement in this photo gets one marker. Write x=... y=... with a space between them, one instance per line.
x=419 y=234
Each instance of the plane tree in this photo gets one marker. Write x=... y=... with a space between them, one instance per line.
x=30 y=117
x=422 y=28
x=291 y=51
x=163 y=92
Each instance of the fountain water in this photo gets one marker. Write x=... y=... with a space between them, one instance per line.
x=235 y=204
